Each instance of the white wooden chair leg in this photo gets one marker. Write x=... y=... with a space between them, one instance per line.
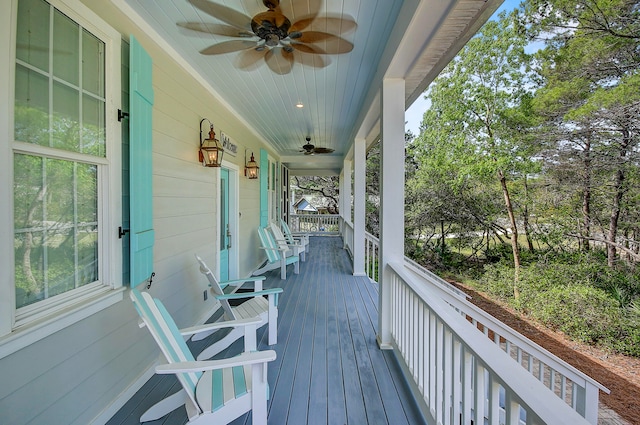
x=296 y=267
x=165 y=406
x=258 y=398
x=283 y=269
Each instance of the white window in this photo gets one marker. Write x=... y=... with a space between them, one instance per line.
x=63 y=153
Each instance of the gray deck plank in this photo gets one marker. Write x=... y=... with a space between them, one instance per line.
x=329 y=370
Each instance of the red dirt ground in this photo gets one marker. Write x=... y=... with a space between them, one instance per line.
x=621 y=374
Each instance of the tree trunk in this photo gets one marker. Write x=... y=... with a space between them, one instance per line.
x=525 y=216
x=514 y=234
x=618 y=192
x=586 y=196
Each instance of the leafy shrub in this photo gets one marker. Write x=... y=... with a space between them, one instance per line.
x=497 y=280
x=582 y=312
x=499 y=253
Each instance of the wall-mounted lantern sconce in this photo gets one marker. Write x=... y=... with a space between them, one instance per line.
x=211 y=151
x=251 y=167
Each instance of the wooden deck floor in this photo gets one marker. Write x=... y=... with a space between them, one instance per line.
x=329 y=369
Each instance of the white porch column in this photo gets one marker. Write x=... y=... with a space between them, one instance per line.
x=391 y=197
x=359 y=179
x=345 y=195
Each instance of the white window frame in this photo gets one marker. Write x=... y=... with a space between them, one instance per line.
x=272 y=189
x=48 y=316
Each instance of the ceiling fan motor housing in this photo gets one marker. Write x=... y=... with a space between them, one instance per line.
x=271 y=26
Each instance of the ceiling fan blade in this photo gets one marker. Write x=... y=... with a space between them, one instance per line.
x=279 y=60
x=228 y=47
x=323 y=150
x=332 y=45
x=313 y=37
x=224 y=13
x=249 y=59
x=307 y=48
x=332 y=25
x=314 y=61
x=218 y=29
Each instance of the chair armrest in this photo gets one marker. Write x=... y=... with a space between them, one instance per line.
x=220 y=325
x=201 y=366
x=271 y=249
x=238 y=295
x=288 y=243
x=239 y=282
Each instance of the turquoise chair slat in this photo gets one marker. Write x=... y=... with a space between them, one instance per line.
x=217 y=390
x=239 y=381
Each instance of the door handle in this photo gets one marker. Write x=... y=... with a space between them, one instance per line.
x=228 y=238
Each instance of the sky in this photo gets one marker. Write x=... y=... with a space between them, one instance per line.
x=413 y=115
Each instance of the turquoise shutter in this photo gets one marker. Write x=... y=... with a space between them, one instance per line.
x=140 y=161
x=264 y=179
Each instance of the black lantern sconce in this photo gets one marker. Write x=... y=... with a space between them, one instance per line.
x=211 y=151
x=250 y=168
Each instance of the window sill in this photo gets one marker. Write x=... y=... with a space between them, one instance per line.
x=29 y=334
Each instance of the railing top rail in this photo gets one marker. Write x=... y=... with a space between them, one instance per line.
x=315 y=215
x=370 y=236
x=551 y=410
x=434 y=278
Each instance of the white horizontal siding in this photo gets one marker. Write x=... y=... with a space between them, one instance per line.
x=74 y=375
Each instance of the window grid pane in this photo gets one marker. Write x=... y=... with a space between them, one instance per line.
x=55 y=226
x=78 y=77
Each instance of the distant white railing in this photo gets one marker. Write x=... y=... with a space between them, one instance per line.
x=371 y=255
x=321 y=224
x=346 y=230
x=576 y=389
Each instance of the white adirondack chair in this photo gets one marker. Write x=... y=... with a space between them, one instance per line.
x=213 y=392
x=276 y=257
x=266 y=309
x=299 y=237
x=292 y=248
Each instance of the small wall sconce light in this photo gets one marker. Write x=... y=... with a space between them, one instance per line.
x=251 y=167
x=211 y=151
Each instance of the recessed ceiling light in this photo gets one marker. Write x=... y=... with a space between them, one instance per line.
x=299 y=105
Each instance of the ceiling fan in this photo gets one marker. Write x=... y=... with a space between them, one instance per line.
x=310 y=149
x=272 y=36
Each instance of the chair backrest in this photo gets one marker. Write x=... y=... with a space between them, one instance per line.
x=267 y=242
x=216 y=288
x=278 y=236
x=287 y=231
x=167 y=335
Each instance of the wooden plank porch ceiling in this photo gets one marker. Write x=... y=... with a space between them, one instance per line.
x=329 y=369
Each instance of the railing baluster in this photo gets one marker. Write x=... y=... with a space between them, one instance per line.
x=467 y=387
x=479 y=392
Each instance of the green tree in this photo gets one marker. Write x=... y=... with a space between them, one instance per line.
x=475 y=129
x=591 y=98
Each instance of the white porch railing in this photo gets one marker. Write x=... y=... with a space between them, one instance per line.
x=347 y=235
x=371 y=255
x=454 y=375
x=322 y=224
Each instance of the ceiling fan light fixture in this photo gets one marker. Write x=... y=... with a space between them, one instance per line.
x=299 y=105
